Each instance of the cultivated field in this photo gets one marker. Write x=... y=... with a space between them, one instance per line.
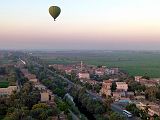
x=132 y=62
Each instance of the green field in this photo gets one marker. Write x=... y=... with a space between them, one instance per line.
x=132 y=62
x=4 y=84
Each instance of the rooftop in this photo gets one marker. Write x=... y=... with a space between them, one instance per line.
x=120 y=83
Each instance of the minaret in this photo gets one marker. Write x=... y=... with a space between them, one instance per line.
x=81 y=65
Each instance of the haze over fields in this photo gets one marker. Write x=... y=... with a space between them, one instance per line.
x=83 y=24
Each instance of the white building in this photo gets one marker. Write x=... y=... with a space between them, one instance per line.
x=138 y=78
x=112 y=71
x=83 y=76
x=122 y=86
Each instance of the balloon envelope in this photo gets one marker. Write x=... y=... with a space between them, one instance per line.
x=54 y=11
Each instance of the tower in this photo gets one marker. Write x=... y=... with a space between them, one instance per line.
x=81 y=65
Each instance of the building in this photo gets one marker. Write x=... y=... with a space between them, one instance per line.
x=45 y=96
x=30 y=76
x=112 y=71
x=68 y=70
x=54 y=118
x=8 y=91
x=106 y=87
x=83 y=75
x=40 y=87
x=114 y=80
x=91 y=82
x=149 y=84
x=123 y=95
x=100 y=71
x=140 y=97
x=153 y=109
x=146 y=82
x=51 y=102
x=57 y=66
x=33 y=80
x=130 y=95
x=122 y=86
x=137 y=78
x=118 y=95
x=156 y=79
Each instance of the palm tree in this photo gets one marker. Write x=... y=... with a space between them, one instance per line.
x=108 y=101
x=43 y=115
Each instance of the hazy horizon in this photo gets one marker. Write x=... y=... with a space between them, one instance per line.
x=78 y=50
x=82 y=25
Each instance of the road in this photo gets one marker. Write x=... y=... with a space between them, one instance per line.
x=93 y=95
x=116 y=108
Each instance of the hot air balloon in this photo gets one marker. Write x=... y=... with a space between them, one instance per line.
x=54 y=11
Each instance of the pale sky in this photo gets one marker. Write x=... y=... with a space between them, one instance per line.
x=83 y=24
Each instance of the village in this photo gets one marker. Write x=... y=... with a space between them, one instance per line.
x=100 y=81
x=117 y=85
